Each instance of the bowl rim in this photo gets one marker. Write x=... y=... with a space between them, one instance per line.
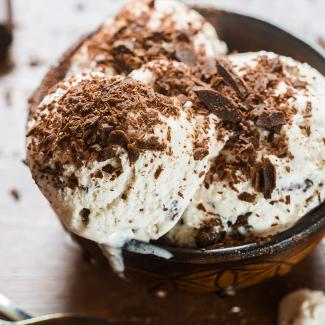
x=307 y=226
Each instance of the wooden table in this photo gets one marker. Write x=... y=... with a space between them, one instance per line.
x=40 y=267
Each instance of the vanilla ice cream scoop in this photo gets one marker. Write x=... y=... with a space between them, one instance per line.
x=145 y=30
x=302 y=307
x=116 y=160
x=271 y=171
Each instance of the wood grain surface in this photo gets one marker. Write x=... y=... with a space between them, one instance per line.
x=40 y=268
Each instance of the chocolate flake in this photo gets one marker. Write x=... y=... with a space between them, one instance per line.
x=210 y=233
x=269 y=120
x=308 y=110
x=265 y=178
x=118 y=138
x=109 y=169
x=247 y=197
x=72 y=181
x=201 y=207
x=218 y=104
x=200 y=153
x=15 y=194
x=232 y=78
x=133 y=153
x=84 y=214
x=158 y=171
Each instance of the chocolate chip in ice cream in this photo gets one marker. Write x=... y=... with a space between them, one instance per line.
x=109 y=169
x=200 y=153
x=84 y=214
x=264 y=179
x=15 y=194
x=158 y=171
x=218 y=104
x=270 y=119
x=210 y=233
x=232 y=78
x=119 y=138
x=247 y=197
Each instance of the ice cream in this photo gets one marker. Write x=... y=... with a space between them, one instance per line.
x=145 y=30
x=272 y=170
x=302 y=307
x=117 y=160
x=120 y=146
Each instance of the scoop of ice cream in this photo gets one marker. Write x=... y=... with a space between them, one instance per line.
x=145 y=30
x=271 y=171
x=302 y=307
x=116 y=160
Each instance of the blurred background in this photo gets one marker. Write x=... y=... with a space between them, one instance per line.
x=40 y=268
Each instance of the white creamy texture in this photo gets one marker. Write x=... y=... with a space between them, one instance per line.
x=308 y=163
x=302 y=307
x=146 y=74
x=152 y=206
x=165 y=14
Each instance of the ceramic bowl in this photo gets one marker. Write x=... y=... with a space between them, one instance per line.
x=223 y=270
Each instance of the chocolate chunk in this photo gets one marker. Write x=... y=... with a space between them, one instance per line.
x=210 y=233
x=151 y=144
x=269 y=120
x=119 y=138
x=97 y=174
x=185 y=54
x=200 y=153
x=84 y=214
x=122 y=47
x=218 y=104
x=232 y=78
x=265 y=178
x=133 y=152
x=72 y=181
x=151 y=4
x=299 y=84
x=183 y=37
x=201 y=207
x=308 y=184
x=269 y=175
x=156 y=36
x=15 y=194
x=247 y=197
x=158 y=171
x=308 y=110
x=109 y=169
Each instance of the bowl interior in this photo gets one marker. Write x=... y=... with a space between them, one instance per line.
x=244 y=34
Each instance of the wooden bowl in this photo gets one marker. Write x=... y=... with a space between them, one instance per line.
x=227 y=269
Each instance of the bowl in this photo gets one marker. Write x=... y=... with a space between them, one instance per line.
x=227 y=269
